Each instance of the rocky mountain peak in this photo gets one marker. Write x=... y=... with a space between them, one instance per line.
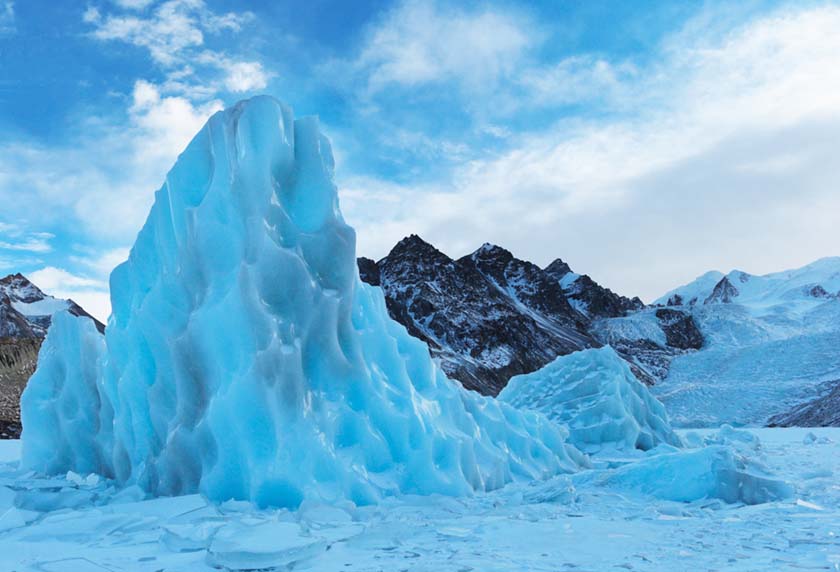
x=19 y=289
x=558 y=269
x=368 y=271
x=415 y=245
x=489 y=251
x=723 y=292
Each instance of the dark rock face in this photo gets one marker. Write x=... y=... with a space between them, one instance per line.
x=824 y=411
x=724 y=291
x=526 y=284
x=489 y=316
x=558 y=269
x=13 y=324
x=18 y=358
x=599 y=301
x=20 y=340
x=819 y=292
x=368 y=271
x=592 y=298
x=681 y=331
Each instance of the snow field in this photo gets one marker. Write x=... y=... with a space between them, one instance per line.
x=589 y=521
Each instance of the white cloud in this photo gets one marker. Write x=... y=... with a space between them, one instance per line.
x=572 y=80
x=723 y=156
x=168 y=32
x=91 y=294
x=172 y=29
x=164 y=125
x=29 y=244
x=100 y=264
x=53 y=279
x=421 y=42
x=89 y=290
x=239 y=76
x=175 y=34
x=17 y=238
x=7 y=18
x=107 y=174
x=134 y=4
x=245 y=76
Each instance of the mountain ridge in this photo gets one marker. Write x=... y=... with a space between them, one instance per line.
x=489 y=315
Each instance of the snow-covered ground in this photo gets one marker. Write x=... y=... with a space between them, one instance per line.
x=594 y=520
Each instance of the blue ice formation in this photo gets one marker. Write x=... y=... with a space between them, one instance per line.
x=711 y=472
x=594 y=393
x=63 y=399
x=245 y=359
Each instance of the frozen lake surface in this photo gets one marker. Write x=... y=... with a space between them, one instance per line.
x=588 y=521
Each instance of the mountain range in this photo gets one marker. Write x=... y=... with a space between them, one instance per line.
x=489 y=316
x=735 y=347
x=772 y=353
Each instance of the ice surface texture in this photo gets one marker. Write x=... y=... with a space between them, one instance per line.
x=246 y=360
x=63 y=401
x=595 y=394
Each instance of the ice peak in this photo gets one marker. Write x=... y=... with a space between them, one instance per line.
x=244 y=359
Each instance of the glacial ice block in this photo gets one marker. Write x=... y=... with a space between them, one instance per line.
x=594 y=393
x=63 y=401
x=246 y=360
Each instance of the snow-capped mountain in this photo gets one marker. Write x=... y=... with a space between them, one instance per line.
x=20 y=298
x=489 y=316
x=25 y=315
x=815 y=282
x=772 y=348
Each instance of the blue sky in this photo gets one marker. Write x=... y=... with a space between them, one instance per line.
x=645 y=143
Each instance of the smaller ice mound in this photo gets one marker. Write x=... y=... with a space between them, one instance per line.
x=594 y=393
x=63 y=398
x=713 y=472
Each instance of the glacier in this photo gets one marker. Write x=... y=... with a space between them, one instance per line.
x=594 y=394
x=770 y=348
x=244 y=359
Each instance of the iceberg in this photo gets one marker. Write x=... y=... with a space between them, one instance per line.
x=594 y=394
x=245 y=360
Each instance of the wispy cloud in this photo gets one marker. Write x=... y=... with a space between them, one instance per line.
x=718 y=155
x=109 y=193
x=15 y=237
x=90 y=293
x=100 y=180
x=423 y=42
x=7 y=18
x=174 y=34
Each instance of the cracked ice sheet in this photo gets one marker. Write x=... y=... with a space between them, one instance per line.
x=87 y=526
